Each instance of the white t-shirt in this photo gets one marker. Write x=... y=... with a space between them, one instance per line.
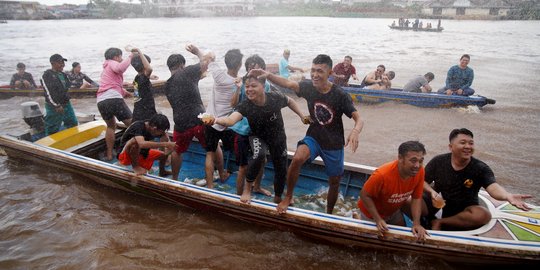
x=223 y=91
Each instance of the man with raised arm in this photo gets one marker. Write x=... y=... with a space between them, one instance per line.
x=327 y=103
x=182 y=91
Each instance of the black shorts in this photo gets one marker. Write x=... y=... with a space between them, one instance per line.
x=212 y=137
x=241 y=149
x=110 y=108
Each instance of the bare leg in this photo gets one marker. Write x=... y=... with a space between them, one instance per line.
x=240 y=179
x=257 y=184
x=209 y=168
x=219 y=162
x=176 y=163
x=246 y=195
x=333 y=191
x=109 y=137
x=132 y=149
x=300 y=157
x=162 y=162
x=471 y=218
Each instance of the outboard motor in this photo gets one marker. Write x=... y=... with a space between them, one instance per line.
x=33 y=117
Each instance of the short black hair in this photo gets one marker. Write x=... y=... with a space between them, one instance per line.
x=348 y=56
x=255 y=60
x=160 y=121
x=137 y=64
x=261 y=79
x=465 y=56
x=75 y=64
x=430 y=76
x=323 y=59
x=233 y=59
x=21 y=65
x=391 y=75
x=454 y=133
x=175 y=61
x=411 y=146
x=110 y=53
x=382 y=66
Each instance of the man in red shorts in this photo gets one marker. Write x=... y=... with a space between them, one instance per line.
x=140 y=150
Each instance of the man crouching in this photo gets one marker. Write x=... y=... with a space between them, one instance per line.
x=140 y=150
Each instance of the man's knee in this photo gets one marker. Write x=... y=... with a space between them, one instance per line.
x=301 y=155
x=481 y=214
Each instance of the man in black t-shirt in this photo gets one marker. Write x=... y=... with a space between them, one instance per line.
x=144 y=105
x=458 y=176
x=182 y=91
x=140 y=149
x=263 y=112
x=325 y=137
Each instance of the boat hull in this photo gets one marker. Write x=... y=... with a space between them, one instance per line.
x=416 y=29
x=450 y=246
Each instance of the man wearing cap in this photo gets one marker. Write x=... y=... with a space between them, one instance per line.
x=57 y=105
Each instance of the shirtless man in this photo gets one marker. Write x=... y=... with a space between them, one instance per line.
x=385 y=83
x=373 y=77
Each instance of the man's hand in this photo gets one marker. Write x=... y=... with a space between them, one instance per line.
x=420 y=233
x=459 y=92
x=449 y=92
x=59 y=109
x=382 y=227
x=192 y=49
x=259 y=73
x=517 y=201
x=306 y=119
x=353 y=139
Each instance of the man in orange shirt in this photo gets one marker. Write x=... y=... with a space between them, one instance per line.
x=391 y=185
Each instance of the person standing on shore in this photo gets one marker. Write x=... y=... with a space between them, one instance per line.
x=327 y=103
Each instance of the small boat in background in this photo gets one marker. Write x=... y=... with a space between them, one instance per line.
x=7 y=92
x=426 y=100
x=403 y=28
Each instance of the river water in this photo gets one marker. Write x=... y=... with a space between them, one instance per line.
x=53 y=219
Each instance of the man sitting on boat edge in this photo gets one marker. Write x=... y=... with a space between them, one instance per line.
x=391 y=185
x=140 y=149
x=459 y=79
x=459 y=176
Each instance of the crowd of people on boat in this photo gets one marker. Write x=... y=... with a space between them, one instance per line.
x=244 y=114
x=417 y=24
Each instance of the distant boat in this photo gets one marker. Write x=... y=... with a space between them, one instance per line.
x=417 y=29
x=3 y=21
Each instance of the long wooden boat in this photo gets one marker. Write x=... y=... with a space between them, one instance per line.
x=7 y=92
x=511 y=237
x=423 y=29
x=427 y=100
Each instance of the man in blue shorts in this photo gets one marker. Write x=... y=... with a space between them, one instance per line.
x=327 y=103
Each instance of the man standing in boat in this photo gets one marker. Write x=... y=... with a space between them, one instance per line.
x=182 y=91
x=391 y=185
x=459 y=79
x=57 y=101
x=327 y=103
x=343 y=72
x=458 y=176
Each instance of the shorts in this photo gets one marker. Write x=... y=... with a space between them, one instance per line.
x=110 y=108
x=184 y=138
x=241 y=149
x=146 y=163
x=212 y=137
x=333 y=159
x=447 y=211
x=393 y=219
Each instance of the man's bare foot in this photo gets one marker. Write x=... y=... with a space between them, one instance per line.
x=262 y=191
x=165 y=173
x=283 y=205
x=436 y=225
x=139 y=170
x=246 y=197
x=224 y=176
x=210 y=184
x=277 y=199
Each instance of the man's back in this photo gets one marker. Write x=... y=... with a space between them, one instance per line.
x=415 y=84
x=182 y=91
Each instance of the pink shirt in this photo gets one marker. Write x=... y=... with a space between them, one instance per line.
x=112 y=76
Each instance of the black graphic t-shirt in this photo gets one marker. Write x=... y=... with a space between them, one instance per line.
x=458 y=188
x=265 y=121
x=326 y=111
